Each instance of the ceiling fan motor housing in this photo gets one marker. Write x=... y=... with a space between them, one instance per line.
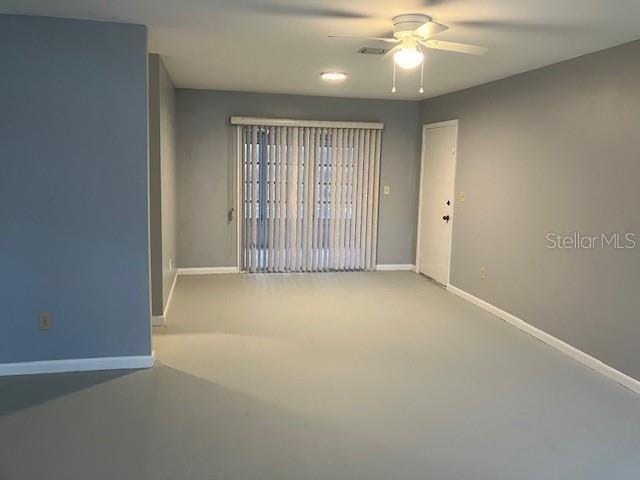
x=405 y=25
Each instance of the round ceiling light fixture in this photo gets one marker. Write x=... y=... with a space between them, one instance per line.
x=333 y=76
x=408 y=57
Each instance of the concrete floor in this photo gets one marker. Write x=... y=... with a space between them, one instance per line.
x=329 y=376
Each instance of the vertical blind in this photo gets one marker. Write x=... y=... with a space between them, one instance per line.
x=309 y=198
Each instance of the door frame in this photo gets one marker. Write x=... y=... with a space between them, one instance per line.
x=425 y=127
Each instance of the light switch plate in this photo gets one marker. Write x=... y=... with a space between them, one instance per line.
x=387 y=189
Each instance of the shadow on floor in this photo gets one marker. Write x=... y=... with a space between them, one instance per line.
x=24 y=391
x=166 y=424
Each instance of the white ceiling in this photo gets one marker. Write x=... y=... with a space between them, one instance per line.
x=281 y=46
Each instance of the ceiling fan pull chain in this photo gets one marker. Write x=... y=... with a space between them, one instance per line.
x=421 y=79
x=393 y=88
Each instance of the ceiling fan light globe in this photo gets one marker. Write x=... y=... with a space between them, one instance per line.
x=408 y=58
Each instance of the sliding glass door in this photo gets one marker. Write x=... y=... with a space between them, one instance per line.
x=309 y=198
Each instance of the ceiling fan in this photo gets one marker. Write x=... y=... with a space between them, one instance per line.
x=411 y=33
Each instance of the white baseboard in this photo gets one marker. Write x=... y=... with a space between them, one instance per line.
x=169 y=298
x=206 y=270
x=161 y=320
x=584 y=358
x=77 y=365
x=395 y=267
x=217 y=270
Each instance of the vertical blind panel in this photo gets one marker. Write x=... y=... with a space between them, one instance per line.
x=309 y=198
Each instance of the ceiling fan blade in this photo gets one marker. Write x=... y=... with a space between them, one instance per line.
x=455 y=47
x=307 y=11
x=429 y=29
x=523 y=27
x=379 y=39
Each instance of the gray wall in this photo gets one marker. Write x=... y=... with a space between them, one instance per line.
x=168 y=179
x=162 y=159
x=73 y=189
x=553 y=150
x=205 y=151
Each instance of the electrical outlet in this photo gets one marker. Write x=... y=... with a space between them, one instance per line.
x=44 y=321
x=483 y=273
x=461 y=197
x=387 y=189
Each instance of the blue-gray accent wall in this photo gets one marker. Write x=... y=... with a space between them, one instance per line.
x=73 y=189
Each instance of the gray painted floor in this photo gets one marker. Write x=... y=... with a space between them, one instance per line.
x=329 y=376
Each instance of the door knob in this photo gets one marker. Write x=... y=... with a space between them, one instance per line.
x=446 y=218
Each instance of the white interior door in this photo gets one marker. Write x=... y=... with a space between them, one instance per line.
x=437 y=176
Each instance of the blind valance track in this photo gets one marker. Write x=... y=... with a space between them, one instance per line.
x=287 y=122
